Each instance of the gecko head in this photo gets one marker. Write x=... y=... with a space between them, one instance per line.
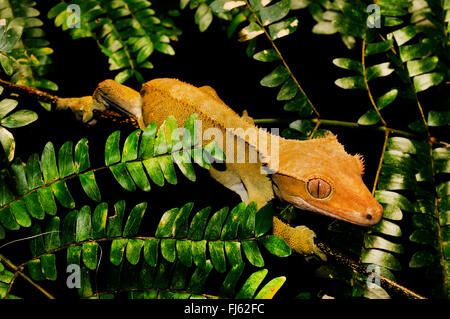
x=318 y=175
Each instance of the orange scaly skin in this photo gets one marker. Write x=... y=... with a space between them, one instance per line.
x=316 y=175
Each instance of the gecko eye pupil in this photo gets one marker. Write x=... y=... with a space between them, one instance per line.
x=318 y=188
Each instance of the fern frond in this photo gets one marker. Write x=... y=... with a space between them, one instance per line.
x=180 y=240
x=39 y=181
x=179 y=287
x=126 y=31
x=274 y=21
x=351 y=20
x=407 y=44
x=404 y=189
x=11 y=121
x=28 y=62
x=205 y=10
x=411 y=40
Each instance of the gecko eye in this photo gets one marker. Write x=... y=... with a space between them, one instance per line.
x=318 y=188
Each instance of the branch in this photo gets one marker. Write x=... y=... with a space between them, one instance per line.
x=28 y=91
x=50 y=98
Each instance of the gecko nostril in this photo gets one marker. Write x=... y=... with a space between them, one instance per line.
x=369 y=217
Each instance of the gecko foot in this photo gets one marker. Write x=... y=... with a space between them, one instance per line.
x=82 y=107
x=304 y=242
x=300 y=239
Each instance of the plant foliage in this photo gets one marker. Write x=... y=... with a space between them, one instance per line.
x=40 y=180
x=11 y=121
x=404 y=44
x=174 y=263
x=25 y=53
x=126 y=31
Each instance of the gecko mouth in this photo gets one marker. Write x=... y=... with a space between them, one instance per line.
x=108 y=102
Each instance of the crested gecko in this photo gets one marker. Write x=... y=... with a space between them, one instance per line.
x=316 y=175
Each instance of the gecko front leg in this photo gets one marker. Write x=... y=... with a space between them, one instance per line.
x=107 y=94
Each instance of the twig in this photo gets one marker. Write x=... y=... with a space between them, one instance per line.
x=27 y=238
x=386 y=283
x=18 y=270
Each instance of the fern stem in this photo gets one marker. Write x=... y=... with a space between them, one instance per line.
x=377 y=175
x=437 y=213
x=363 y=62
x=391 y=48
x=281 y=56
x=18 y=270
x=361 y=269
x=108 y=239
x=316 y=127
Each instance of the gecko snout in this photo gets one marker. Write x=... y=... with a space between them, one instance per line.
x=374 y=214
